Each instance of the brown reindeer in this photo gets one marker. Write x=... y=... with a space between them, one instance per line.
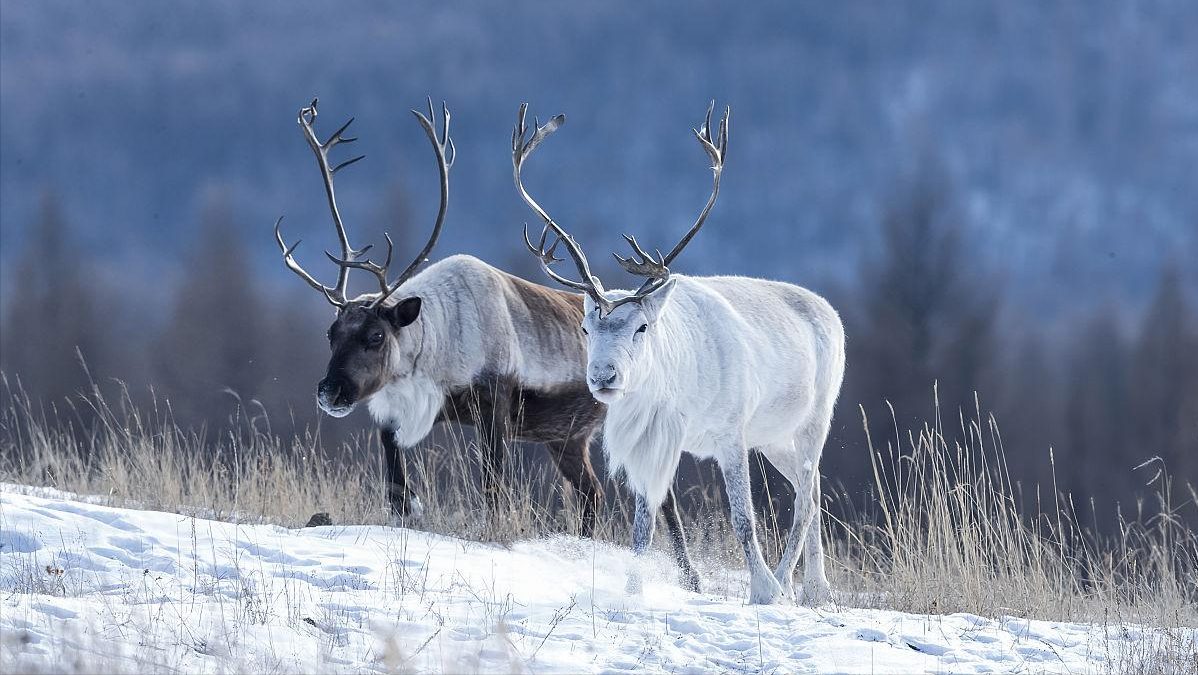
x=462 y=342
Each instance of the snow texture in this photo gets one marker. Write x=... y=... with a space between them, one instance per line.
x=87 y=587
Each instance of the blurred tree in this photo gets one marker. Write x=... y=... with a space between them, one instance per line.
x=51 y=317
x=1097 y=456
x=1164 y=380
x=393 y=217
x=210 y=352
x=1029 y=404
x=924 y=313
x=296 y=359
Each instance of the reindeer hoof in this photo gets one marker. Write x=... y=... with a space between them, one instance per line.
x=406 y=507
x=635 y=585
x=788 y=588
x=765 y=590
x=816 y=593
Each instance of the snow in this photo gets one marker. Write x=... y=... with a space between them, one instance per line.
x=88 y=587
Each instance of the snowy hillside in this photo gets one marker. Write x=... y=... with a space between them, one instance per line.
x=87 y=587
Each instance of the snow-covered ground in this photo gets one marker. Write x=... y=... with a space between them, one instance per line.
x=88 y=587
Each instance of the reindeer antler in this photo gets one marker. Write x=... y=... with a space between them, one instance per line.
x=656 y=270
x=335 y=295
x=641 y=263
x=445 y=152
x=522 y=147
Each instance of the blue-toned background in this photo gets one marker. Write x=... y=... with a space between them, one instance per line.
x=1000 y=198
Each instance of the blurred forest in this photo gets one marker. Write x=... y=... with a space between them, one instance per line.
x=998 y=198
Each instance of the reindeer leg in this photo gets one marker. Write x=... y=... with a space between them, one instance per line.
x=574 y=461
x=669 y=510
x=763 y=587
x=644 y=521
x=495 y=431
x=404 y=503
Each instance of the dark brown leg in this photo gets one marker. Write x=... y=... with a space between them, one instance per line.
x=403 y=502
x=669 y=510
x=495 y=432
x=573 y=459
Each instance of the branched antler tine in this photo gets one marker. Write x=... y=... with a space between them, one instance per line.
x=641 y=263
x=379 y=271
x=715 y=151
x=542 y=132
x=445 y=152
x=718 y=146
x=723 y=137
x=290 y=262
x=707 y=120
x=336 y=138
x=518 y=133
x=307 y=114
x=445 y=117
x=539 y=250
x=347 y=163
x=390 y=249
x=307 y=118
x=522 y=147
x=547 y=259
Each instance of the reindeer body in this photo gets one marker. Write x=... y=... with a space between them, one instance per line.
x=714 y=366
x=476 y=356
x=478 y=326
x=729 y=365
x=735 y=362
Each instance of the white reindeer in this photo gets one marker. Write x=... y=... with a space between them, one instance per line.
x=713 y=366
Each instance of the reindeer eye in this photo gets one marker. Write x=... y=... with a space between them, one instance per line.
x=644 y=327
x=584 y=330
x=375 y=339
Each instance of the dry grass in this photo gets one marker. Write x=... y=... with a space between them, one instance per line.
x=953 y=534
x=947 y=531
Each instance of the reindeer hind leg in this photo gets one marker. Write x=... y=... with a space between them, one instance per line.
x=573 y=459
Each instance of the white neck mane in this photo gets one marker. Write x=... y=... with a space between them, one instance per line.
x=644 y=432
x=412 y=402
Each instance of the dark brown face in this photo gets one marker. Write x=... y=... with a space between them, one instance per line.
x=361 y=340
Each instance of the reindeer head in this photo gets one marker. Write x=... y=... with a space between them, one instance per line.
x=369 y=344
x=618 y=324
x=370 y=339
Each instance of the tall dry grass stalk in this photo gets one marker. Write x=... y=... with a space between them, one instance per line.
x=953 y=533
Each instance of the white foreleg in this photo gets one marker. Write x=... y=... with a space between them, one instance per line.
x=644 y=521
x=763 y=587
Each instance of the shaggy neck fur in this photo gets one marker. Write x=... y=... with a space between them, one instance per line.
x=645 y=431
x=411 y=400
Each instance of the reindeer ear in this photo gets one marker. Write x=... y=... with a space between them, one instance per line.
x=655 y=302
x=404 y=312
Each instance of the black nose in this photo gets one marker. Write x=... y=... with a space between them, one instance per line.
x=335 y=391
x=603 y=382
